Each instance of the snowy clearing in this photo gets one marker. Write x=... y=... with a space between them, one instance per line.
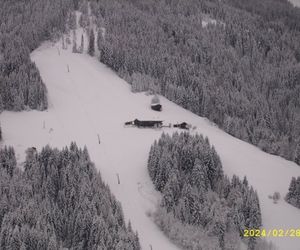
x=91 y=100
x=295 y=2
x=207 y=20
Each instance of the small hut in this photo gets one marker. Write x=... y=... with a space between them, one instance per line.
x=182 y=125
x=155 y=103
x=148 y=124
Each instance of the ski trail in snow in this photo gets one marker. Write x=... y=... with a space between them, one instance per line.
x=97 y=131
x=147 y=194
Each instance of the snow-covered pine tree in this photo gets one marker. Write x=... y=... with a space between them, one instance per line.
x=218 y=220
x=23 y=246
x=63 y=42
x=72 y=21
x=293 y=195
x=199 y=176
x=8 y=159
x=52 y=245
x=297 y=154
x=255 y=220
x=91 y=47
x=1 y=102
x=163 y=170
x=83 y=21
x=84 y=7
x=74 y=48
x=18 y=102
x=81 y=48
x=171 y=191
x=100 y=38
x=188 y=200
x=153 y=160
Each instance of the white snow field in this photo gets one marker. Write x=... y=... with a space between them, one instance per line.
x=91 y=99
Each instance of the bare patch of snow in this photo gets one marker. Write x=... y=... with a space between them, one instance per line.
x=206 y=20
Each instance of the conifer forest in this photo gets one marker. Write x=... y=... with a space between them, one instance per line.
x=149 y=124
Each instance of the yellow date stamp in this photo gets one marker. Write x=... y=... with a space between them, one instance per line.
x=293 y=232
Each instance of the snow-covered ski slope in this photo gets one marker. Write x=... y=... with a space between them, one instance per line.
x=91 y=100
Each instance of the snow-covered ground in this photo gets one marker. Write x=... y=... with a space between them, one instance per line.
x=91 y=100
x=295 y=2
x=206 y=20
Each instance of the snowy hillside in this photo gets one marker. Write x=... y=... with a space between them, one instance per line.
x=91 y=100
x=295 y=2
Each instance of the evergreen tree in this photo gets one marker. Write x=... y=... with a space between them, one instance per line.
x=297 y=154
x=8 y=160
x=81 y=48
x=293 y=195
x=52 y=245
x=187 y=170
x=91 y=47
x=59 y=200
x=74 y=48
x=200 y=176
x=171 y=191
x=20 y=84
x=72 y=21
x=1 y=102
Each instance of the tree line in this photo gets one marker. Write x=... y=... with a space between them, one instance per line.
x=242 y=72
x=23 y=26
x=201 y=208
x=293 y=195
x=59 y=201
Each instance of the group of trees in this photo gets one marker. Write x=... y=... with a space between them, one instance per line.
x=293 y=196
x=23 y=26
x=58 y=202
x=85 y=21
x=8 y=161
x=241 y=72
x=198 y=200
x=73 y=23
x=72 y=26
